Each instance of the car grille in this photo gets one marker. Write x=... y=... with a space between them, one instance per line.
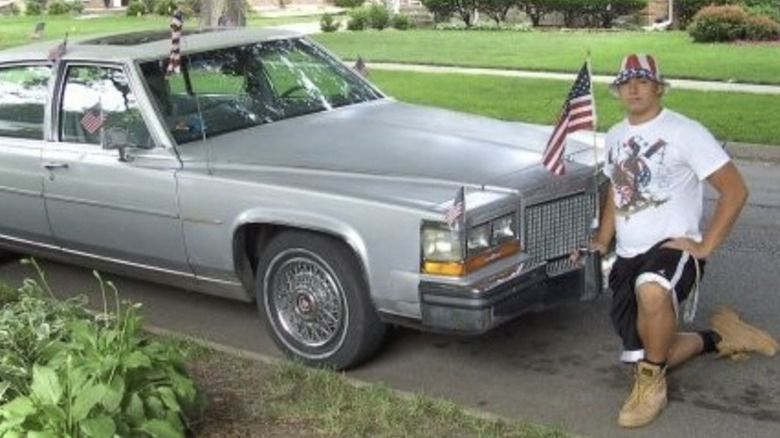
x=554 y=228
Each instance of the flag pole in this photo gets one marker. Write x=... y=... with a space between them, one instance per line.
x=597 y=213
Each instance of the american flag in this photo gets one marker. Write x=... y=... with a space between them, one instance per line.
x=360 y=67
x=454 y=215
x=94 y=118
x=578 y=113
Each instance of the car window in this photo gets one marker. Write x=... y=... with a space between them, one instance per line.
x=98 y=107
x=235 y=88
x=23 y=92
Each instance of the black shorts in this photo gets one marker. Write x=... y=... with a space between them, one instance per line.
x=675 y=270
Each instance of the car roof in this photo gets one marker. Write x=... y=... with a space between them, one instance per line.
x=144 y=45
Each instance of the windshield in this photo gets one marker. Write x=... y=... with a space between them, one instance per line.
x=239 y=87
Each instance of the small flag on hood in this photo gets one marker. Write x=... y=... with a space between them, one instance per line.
x=177 y=22
x=59 y=50
x=455 y=214
x=38 y=30
x=360 y=67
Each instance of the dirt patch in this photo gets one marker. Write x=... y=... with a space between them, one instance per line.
x=236 y=402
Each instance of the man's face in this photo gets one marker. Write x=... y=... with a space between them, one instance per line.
x=642 y=98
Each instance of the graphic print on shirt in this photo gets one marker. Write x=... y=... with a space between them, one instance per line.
x=638 y=175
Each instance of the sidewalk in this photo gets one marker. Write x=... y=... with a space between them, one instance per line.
x=675 y=83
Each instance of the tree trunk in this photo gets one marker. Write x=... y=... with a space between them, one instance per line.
x=223 y=13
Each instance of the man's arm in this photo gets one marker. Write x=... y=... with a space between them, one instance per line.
x=606 y=230
x=732 y=195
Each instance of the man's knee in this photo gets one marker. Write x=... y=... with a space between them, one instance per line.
x=653 y=296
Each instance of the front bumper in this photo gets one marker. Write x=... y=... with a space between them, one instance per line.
x=475 y=308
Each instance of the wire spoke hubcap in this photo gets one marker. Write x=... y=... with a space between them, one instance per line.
x=308 y=301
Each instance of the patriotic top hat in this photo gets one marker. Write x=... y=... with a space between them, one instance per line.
x=637 y=66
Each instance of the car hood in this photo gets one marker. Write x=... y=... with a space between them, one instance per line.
x=386 y=139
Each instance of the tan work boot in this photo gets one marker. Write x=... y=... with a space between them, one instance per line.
x=739 y=337
x=647 y=399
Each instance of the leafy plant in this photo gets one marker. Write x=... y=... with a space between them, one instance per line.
x=66 y=373
x=33 y=7
x=378 y=17
x=349 y=3
x=761 y=28
x=359 y=19
x=58 y=7
x=328 y=23
x=135 y=9
x=401 y=22
x=718 y=23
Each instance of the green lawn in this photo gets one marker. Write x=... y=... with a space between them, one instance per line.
x=17 y=30
x=731 y=116
x=562 y=51
x=740 y=117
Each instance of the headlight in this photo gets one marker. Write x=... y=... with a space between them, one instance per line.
x=479 y=238
x=440 y=244
x=503 y=229
x=453 y=254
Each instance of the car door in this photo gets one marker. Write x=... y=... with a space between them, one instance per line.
x=117 y=207
x=23 y=90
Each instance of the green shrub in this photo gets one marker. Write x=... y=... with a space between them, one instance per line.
x=165 y=7
x=351 y=4
x=401 y=22
x=135 y=8
x=76 y=7
x=359 y=19
x=442 y=10
x=685 y=10
x=378 y=17
x=771 y=11
x=66 y=373
x=192 y=8
x=58 y=7
x=761 y=28
x=328 y=23
x=718 y=24
x=32 y=7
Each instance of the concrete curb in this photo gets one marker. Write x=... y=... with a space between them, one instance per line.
x=754 y=152
x=267 y=360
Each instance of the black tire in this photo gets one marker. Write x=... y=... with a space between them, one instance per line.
x=313 y=299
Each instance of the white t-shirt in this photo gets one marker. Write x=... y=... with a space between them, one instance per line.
x=657 y=169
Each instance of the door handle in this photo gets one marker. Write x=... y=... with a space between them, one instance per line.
x=53 y=166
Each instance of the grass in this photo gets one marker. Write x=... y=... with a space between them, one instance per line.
x=17 y=30
x=562 y=51
x=247 y=398
x=241 y=397
x=739 y=117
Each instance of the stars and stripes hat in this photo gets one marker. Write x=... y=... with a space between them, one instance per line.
x=637 y=65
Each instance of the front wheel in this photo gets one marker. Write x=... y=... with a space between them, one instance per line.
x=314 y=301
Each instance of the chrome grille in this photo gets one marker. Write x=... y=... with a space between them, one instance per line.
x=554 y=228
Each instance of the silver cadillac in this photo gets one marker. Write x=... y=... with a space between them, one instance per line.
x=261 y=168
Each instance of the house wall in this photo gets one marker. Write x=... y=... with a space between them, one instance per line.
x=657 y=10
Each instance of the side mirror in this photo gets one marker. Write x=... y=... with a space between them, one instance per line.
x=116 y=138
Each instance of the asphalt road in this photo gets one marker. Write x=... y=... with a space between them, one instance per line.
x=559 y=367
